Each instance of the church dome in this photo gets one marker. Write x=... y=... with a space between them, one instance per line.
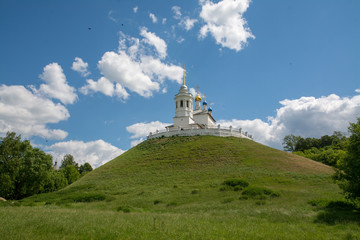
x=204 y=102
x=209 y=109
x=197 y=98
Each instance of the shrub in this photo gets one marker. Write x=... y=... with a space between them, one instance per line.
x=236 y=182
x=196 y=191
x=156 y=202
x=259 y=193
x=124 y=209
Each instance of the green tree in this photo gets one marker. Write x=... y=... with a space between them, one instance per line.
x=290 y=141
x=348 y=175
x=71 y=173
x=68 y=160
x=85 y=168
x=23 y=169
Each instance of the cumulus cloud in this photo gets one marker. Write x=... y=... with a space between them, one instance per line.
x=153 y=17
x=151 y=39
x=96 y=152
x=80 y=66
x=138 y=66
x=135 y=9
x=56 y=85
x=106 y=87
x=27 y=113
x=357 y=90
x=224 y=21
x=141 y=130
x=306 y=116
x=188 y=23
x=120 y=68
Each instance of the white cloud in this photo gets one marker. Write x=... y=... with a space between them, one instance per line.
x=120 y=68
x=177 y=12
x=185 y=22
x=106 y=87
x=56 y=85
x=163 y=21
x=136 y=142
x=141 y=130
x=96 y=153
x=137 y=67
x=151 y=39
x=188 y=23
x=156 y=69
x=224 y=21
x=26 y=113
x=80 y=66
x=357 y=90
x=135 y=9
x=153 y=17
x=306 y=117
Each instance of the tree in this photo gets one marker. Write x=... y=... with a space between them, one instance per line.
x=24 y=170
x=68 y=160
x=71 y=173
x=290 y=142
x=348 y=175
x=85 y=168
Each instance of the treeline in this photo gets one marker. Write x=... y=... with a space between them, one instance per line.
x=343 y=153
x=327 y=149
x=25 y=171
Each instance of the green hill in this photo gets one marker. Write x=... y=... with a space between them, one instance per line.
x=191 y=188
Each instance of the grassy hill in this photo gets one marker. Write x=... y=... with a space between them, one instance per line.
x=186 y=188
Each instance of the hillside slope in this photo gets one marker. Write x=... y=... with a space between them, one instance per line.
x=173 y=188
x=167 y=170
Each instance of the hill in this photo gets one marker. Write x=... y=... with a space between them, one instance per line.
x=194 y=187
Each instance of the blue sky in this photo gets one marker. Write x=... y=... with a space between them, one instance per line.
x=92 y=78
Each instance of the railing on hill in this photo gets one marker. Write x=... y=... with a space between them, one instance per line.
x=217 y=131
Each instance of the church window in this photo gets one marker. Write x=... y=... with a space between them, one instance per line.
x=187 y=103
x=181 y=103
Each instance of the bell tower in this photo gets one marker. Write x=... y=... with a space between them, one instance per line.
x=183 y=106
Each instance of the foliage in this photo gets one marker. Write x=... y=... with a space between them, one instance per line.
x=68 y=160
x=24 y=170
x=71 y=173
x=85 y=168
x=348 y=175
x=327 y=149
x=71 y=169
x=259 y=192
x=236 y=182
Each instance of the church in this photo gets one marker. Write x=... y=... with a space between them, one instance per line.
x=185 y=116
x=190 y=121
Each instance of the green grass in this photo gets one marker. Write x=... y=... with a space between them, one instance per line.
x=170 y=188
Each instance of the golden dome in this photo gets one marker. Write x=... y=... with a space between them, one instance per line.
x=197 y=98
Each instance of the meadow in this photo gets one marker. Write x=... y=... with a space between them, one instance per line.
x=200 y=187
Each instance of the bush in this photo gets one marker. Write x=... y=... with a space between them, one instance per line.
x=157 y=202
x=259 y=193
x=124 y=209
x=236 y=182
x=196 y=191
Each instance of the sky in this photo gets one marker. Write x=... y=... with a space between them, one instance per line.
x=92 y=78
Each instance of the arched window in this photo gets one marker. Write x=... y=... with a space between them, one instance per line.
x=187 y=104
x=181 y=103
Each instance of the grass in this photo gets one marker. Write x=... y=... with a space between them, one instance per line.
x=170 y=188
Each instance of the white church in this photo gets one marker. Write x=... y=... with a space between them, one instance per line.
x=190 y=121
